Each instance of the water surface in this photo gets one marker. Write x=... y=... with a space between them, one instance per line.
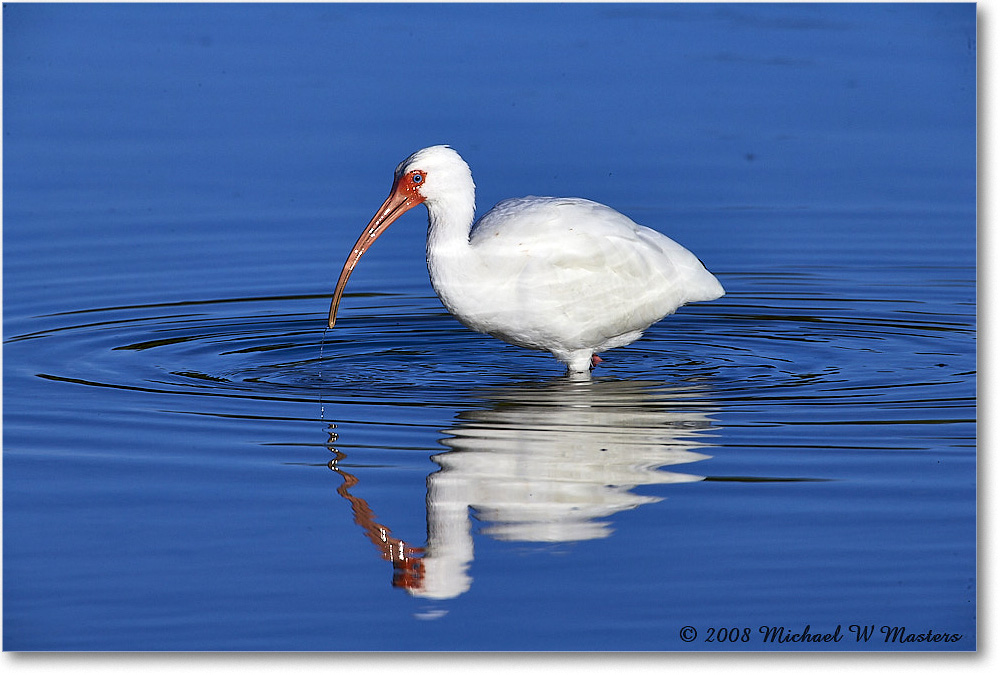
x=191 y=462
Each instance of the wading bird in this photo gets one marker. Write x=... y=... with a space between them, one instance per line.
x=564 y=275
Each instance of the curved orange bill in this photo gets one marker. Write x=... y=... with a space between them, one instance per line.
x=399 y=201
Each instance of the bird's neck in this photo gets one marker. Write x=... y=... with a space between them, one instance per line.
x=449 y=224
x=451 y=260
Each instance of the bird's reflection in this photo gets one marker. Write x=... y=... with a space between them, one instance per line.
x=405 y=559
x=542 y=463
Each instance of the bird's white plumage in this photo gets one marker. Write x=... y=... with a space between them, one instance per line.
x=566 y=275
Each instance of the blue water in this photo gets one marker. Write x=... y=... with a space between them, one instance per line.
x=190 y=462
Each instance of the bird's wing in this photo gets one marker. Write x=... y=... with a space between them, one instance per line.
x=587 y=264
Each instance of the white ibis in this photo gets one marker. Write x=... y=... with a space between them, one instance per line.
x=564 y=275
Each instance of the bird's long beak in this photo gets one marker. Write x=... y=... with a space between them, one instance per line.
x=399 y=201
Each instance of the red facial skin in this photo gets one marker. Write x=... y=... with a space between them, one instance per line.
x=404 y=196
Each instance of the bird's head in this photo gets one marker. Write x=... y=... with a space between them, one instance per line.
x=437 y=176
x=433 y=174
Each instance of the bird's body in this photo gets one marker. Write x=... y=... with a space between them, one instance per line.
x=565 y=275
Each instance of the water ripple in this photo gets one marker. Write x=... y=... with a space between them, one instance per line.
x=787 y=347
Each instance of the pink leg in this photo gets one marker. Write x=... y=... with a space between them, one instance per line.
x=594 y=360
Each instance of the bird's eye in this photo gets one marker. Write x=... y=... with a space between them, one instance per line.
x=417 y=178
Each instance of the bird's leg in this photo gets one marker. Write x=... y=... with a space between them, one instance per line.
x=594 y=360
